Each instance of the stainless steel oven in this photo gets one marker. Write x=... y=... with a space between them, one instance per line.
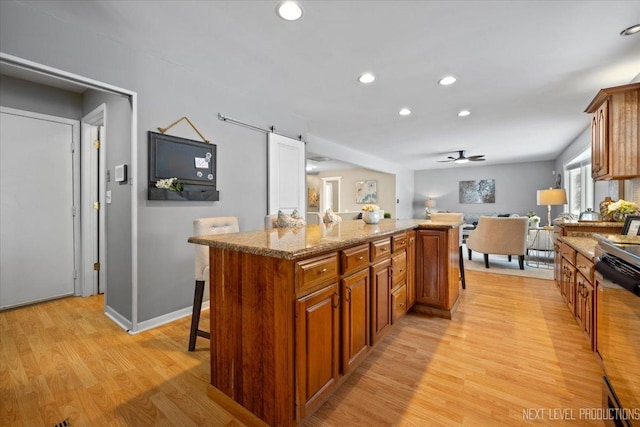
x=618 y=331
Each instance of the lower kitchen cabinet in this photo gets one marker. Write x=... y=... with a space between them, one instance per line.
x=355 y=319
x=318 y=345
x=380 y=300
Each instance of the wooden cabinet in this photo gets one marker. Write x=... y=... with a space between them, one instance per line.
x=411 y=270
x=380 y=300
x=317 y=347
x=355 y=319
x=437 y=271
x=398 y=303
x=615 y=132
x=575 y=277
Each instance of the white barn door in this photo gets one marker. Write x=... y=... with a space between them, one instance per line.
x=38 y=187
x=286 y=157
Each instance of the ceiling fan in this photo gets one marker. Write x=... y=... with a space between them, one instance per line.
x=462 y=159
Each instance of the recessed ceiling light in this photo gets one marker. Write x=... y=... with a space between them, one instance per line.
x=631 y=30
x=404 y=112
x=289 y=11
x=366 y=78
x=464 y=113
x=447 y=80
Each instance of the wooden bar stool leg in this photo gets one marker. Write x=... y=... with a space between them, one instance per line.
x=195 y=316
x=462 y=269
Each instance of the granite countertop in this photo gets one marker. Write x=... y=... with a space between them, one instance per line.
x=297 y=242
x=584 y=245
x=590 y=224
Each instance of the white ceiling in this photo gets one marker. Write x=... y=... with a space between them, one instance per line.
x=525 y=69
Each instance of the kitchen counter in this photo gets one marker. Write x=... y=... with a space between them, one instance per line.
x=584 y=245
x=586 y=228
x=298 y=242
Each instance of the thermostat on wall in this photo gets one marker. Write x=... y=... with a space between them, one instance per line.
x=121 y=173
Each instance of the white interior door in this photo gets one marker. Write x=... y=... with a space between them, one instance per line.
x=37 y=221
x=286 y=175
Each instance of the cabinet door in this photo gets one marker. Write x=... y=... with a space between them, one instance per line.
x=355 y=319
x=569 y=285
x=431 y=268
x=600 y=142
x=318 y=329
x=398 y=303
x=411 y=268
x=380 y=300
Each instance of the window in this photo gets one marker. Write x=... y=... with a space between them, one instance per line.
x=579 y=184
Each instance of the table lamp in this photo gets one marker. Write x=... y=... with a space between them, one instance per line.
x=428 y=204
x=552 y=196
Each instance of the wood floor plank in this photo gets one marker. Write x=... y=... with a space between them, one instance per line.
x=511 y=346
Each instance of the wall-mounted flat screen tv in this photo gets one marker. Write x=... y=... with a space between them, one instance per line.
x=192 y=162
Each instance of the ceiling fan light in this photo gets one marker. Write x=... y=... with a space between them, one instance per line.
x=631 y=30
x=461 y=161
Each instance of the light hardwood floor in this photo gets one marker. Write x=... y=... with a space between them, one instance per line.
x=512 y=351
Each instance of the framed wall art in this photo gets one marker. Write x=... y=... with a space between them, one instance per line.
x=479 y=191
x=366 y=192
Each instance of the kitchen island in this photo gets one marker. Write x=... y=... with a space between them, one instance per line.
x=295 y=310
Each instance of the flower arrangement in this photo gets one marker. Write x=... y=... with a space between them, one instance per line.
x=370 y=208
x=622 y=206
x=172 y=184
x=535 y=220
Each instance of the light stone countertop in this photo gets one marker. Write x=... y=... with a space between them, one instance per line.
x=298 y=242
x=584 y=245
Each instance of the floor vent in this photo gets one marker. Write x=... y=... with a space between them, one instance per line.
x=65 y=423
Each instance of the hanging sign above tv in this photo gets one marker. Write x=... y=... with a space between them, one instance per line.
x=192 y=163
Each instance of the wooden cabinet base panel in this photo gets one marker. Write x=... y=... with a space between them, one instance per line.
x=435 y=312
x=241 y=413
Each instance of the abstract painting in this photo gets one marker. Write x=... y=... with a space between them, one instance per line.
x=480 y=191
x=366 y=192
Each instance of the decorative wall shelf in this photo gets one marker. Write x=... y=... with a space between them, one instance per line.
x=195 y=195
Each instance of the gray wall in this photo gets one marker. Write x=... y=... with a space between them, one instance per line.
x=117 y=147
x=166 y=92
x=29 y=96
x=516 y=187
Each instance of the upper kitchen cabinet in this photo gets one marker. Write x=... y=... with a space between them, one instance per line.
x=615 y=133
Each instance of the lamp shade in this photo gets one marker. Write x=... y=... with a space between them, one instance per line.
x=430 y=203
x=552 y=196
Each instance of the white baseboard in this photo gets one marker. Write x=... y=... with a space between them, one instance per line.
x=167 y=318
x=118 y=318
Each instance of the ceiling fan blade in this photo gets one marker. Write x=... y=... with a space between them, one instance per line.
x=475 y=157
x=444 y=161
x=476 y=160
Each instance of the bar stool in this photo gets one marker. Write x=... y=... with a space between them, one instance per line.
x=204 y=227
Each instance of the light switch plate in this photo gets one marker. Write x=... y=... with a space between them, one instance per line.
x=108 y=197
x=121 y=173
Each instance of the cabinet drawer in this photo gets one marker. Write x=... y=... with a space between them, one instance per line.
x=398 y=242
x=585 y=266
x=568 y=252
x=398 y=303
x=354 y=259
x=314 y=272
x=399 y=267
x=380 y=249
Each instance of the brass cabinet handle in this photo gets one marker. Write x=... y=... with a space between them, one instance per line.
x=383 y=249
x=360 y=258
x=337 y=297
x=324 y=270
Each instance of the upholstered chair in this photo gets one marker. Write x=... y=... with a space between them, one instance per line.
x=500 y=236
x=204 y=227
x=451 y=217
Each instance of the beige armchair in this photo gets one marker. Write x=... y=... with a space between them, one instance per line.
x=500 y=236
